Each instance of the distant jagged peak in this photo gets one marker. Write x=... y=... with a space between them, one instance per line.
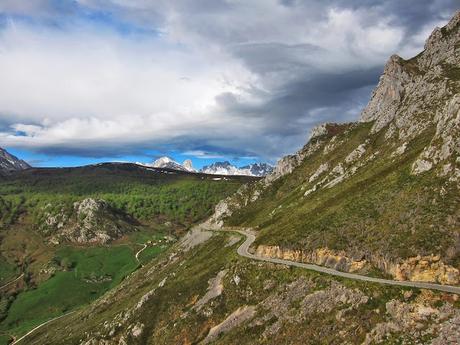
x=163 y=160
x=188 y=165
x=168 y=163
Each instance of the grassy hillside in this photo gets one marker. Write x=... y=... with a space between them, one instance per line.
x=382 y=208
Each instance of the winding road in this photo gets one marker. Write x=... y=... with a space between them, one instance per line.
x=243 y=250
x=140 y=251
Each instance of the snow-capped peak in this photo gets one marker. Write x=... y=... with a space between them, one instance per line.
x=169 y=163
x=166 y=162
x=188 y=165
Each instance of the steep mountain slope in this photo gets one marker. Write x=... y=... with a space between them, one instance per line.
x=381 y=194
x=9 y=163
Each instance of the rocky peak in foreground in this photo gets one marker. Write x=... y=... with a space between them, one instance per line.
x=10 y=163
x=411 y=96
x=415 y=94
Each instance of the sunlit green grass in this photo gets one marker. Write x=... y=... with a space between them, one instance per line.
x=68 y=290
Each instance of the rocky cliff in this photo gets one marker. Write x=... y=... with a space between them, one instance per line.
x=414 y=94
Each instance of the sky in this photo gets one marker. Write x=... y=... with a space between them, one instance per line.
x=87 y=81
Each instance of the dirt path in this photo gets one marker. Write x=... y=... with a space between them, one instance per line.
x=243 y=250
x=39 y=326
x=12 y=281
x=140 y=251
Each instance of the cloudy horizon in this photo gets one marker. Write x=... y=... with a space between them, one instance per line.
x=92 y=80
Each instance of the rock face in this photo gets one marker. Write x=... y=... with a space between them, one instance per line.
x=239 y=316
x=10 y=163
x=425 y=269
x=424 y=91
x=410 y=318
x=322 y=256
x=299 y=292
x=88 y=221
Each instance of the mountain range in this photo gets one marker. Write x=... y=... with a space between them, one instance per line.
x=217 y=168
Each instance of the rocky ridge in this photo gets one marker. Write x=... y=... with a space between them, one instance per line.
x=423 y=91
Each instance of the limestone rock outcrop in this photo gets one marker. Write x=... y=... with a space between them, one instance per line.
x=421 y=268
x=87 y=221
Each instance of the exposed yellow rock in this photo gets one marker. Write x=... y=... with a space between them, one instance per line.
x=321 y=256
x=427 y=268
